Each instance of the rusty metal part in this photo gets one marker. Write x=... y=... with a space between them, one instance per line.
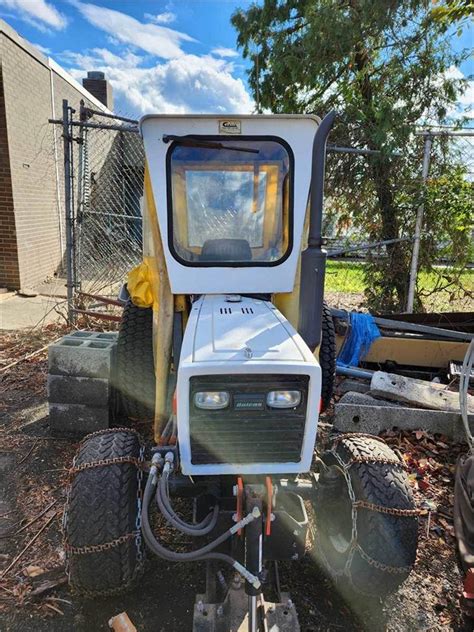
x=104 y=462
x=97 y=548
x=391 y=511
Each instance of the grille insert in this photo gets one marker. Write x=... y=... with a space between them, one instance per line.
x=241 y=436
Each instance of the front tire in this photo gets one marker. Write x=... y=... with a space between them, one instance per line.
x=366 y=521
x=104 y=552
x=327 y=357
x=135 y=363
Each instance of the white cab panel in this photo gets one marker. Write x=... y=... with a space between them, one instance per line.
x=298 y=131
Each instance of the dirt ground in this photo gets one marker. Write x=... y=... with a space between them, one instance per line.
x=34 y=464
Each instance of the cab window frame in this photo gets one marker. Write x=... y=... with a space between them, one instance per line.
x=231 y=264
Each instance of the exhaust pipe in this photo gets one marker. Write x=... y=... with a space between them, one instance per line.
x=313 y=259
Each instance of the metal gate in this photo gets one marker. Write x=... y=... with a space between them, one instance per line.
x=103 y=179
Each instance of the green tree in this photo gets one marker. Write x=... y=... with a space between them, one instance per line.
x=453 y=10
x=448 y=206
x=384 y=66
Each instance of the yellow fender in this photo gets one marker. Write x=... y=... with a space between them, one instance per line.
x=154 y=276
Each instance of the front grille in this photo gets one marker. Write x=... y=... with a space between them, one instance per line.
x=236 y=435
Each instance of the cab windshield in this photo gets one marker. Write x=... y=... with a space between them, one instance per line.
x=230 y=201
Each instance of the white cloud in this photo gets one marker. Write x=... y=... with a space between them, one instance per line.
x=465 y=103
x=466 y=100
x=161 y=18
x=39 y=13
x=43 y=49
x=152 y=38
x=187 y=84
x=95 y=57
x=221 y=51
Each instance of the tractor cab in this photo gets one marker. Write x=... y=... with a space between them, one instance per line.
x=231 y=199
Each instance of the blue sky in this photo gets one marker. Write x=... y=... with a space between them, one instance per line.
x=160 y=55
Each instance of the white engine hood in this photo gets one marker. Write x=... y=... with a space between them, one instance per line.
x=246 y=331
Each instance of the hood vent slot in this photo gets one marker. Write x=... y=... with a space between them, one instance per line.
x=225 y=310
x=247 y=310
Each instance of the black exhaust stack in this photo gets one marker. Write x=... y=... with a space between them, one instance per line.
x=313 y=259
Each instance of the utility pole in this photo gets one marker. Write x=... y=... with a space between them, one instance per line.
x=419 y=223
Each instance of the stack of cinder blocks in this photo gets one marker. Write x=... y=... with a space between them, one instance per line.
x=80 y=382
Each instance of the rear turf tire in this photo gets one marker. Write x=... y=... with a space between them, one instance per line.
x=135 y=364
x=388 y=543
x=103 y=506
x=327 y=357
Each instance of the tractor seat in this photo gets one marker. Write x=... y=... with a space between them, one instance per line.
x=226 y=250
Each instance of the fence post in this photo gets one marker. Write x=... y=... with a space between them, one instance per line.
x=419 y=224
x=68 y=202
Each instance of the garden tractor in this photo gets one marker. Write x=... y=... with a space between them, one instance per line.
x=225 y=359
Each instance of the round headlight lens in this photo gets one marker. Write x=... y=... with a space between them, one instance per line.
x=283 y=399
x=211 y=400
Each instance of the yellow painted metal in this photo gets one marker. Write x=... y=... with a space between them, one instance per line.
x=412 y=352
x=163 y=308
x=181 y=305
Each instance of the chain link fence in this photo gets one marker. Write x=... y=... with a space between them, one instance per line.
x=106 y=188
x=349 y=242
x=109 y=217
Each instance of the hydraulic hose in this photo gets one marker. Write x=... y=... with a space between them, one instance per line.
x=205 y=552
x=202 y=528
x=169 y=511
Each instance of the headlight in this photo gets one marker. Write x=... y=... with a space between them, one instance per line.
x=283 y=399
x=211 y=400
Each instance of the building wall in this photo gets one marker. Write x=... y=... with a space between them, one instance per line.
x=9 y=271
x=26 y=83
x=33 y=90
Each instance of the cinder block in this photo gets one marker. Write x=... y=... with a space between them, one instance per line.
x=98 y=336
x=353 y=386
x=365 y=400
x=65 y=389
x=77 y=419
x=376 y=419
x=82 y=357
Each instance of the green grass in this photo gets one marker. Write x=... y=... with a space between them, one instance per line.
x=348 y=278
x=345 y=276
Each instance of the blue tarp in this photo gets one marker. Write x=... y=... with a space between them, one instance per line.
x=362 y=333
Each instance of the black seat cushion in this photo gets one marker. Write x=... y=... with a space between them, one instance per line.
x=226 y=250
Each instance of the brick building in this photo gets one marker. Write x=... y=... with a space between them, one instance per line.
x=32 y=88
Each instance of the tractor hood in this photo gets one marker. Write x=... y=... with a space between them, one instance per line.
x=239 y=329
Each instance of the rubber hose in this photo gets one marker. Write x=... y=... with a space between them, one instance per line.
x=204 y=553
x=202 y=528
x=179 y=524
x=163 y=487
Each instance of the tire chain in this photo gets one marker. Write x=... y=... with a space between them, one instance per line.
x=97 y=433
x=356 y=435
x=136 y=534
x=98 y=548
x=103 y=462
x=391 y=511
x=359 y=504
